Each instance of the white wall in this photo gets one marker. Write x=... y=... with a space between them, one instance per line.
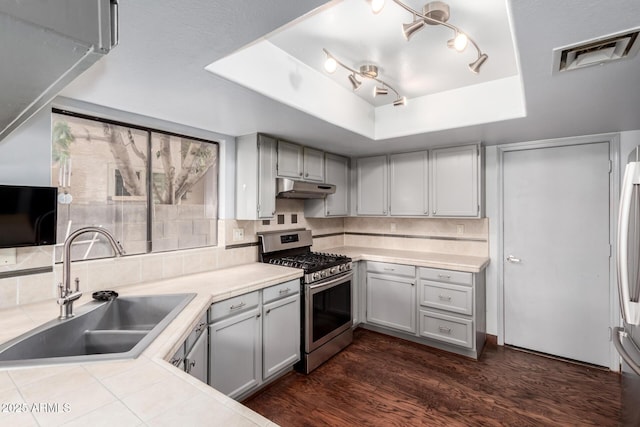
x=25 y=155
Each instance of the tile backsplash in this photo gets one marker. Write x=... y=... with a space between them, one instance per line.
x=238 y=245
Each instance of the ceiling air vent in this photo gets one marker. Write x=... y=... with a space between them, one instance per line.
x=594 y=52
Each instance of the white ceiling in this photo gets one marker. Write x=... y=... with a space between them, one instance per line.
x=158 y=71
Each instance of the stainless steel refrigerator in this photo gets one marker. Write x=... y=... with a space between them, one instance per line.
x=627 y=338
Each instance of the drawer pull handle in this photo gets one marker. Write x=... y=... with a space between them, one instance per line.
x=176 y=361
x=389 y=269
x=444 y=276
x=200 y=326
x=444 y=298
x=444 y=330
x=285 y=291
x=237 y=306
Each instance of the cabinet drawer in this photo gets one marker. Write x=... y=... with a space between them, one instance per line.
x=441 y=327
x=445 y=296
x=395 y=269
x=450 y=276
x=292 y=287
x=233 y=305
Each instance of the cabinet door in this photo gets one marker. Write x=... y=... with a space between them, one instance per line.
x=337 y=173
x=313 y=165
x=196 y=362
x=409 y=183
x=372 y=186
x=235 y=353
x=290 y=160
x=455 y=181
x=391 y=302
x=281 y=335
x=266 y=177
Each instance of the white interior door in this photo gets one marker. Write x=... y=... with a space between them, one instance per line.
x=556 y=248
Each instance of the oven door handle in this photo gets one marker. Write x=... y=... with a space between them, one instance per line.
x=331 y=282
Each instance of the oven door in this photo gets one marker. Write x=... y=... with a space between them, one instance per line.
x=327 y=310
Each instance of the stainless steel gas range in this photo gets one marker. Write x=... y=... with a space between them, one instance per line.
x=326 y=285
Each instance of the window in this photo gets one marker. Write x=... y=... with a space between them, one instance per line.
x=153 y=190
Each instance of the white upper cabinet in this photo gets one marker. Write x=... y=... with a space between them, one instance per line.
x=336 y=204
x=455 y=181
x=409 y=184
x=371 y=197
x=290 y=160
x=255 y=177
x=313 y=165
x=298 y=162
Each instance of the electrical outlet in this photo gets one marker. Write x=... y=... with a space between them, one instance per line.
x=8 y=256
x=460 y=228
x=393 y=226
x=238 y=234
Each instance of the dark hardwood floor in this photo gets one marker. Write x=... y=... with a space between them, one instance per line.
x=384 y=381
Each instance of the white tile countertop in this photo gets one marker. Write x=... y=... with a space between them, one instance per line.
x=145 y=391
x=149 y=390
x=471 y=264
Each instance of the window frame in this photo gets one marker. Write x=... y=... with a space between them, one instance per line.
x=149 y=188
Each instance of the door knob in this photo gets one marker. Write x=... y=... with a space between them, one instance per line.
x=513 y=259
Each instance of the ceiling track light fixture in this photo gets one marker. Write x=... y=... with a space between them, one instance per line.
x=367 y=71
x=436 y=13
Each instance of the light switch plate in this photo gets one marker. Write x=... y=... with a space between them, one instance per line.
x=8 y=256
x=238 y=234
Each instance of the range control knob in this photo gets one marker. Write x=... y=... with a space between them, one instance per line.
x=333 y=270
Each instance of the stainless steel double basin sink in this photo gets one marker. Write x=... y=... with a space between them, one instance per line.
x=117 y=329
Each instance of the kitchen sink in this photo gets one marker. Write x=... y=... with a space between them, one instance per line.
x=100 y=330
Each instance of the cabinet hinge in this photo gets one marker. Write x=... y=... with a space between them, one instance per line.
x=610 y=166
x=258 y=207
x=610 y=250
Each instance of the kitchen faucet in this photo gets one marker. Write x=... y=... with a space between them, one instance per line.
x=66 y=299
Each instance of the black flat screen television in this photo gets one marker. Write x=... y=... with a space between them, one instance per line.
x=28 y=216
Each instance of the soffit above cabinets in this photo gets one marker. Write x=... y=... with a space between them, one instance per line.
x=288 y=66
x=45 y=46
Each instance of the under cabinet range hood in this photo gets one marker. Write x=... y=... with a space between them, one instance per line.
x=293 y=189
x=45 y=45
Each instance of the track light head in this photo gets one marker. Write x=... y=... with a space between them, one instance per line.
x=475 y=65
x=380 y=90
x=400 y=101
x=355 y=83
x=376 y=5
x=409 y=29
x=459 y=42
x=330 y=64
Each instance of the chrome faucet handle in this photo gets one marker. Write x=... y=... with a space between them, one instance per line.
x=61 y=290
x=77 y=284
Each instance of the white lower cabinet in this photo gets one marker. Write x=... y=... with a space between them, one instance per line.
x=391 y=301
x=254 y=338
x=192 y=356
x=280 y=335
x=235 y=353
x=196 y=361
x=449 y=306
